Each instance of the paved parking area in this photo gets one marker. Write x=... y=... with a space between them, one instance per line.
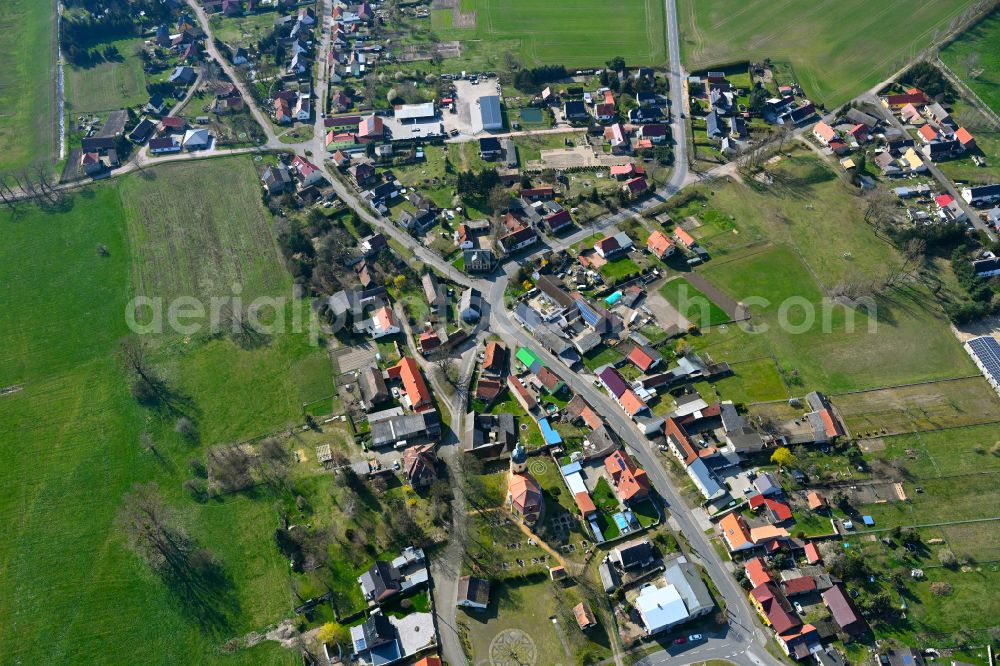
x=466 y=96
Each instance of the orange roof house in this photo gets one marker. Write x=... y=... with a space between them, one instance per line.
x=757 y=573
x=631 y=403
x=735 y=532
x=765 y=533
x=684 y=238
x=812 y=553
x=642 y=359
x=429 y=661
x=585 y=504
x=584 y=617
x=417 y=393
x=493 y=361
x=816 y=501
x=630 y=481
x=965 y=138
x=659 y=244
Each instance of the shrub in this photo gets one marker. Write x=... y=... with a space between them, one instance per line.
x=941 y=589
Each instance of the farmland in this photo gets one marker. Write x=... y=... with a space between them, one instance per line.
x=107 y=85
x=976 y=59
x=27 y=93
x=933 y=406
x=835 y=51
x=574 y=33
x=188 y=244
x=73 y=431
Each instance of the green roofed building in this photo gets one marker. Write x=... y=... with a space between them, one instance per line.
x=528 y=358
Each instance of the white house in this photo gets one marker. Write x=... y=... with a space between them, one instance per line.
x=382 y=323
x=197 y=139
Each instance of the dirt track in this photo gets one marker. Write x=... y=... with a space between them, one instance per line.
x=735 y=311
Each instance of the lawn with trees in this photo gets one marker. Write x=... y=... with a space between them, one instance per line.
x=93 y=411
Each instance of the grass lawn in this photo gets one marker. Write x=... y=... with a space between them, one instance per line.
x=107 y=85
x=645 y=512
x=965 y=606
x=530 y=147
x=528 y=607
x=851 y=57
x=693 y=305
x=28 y=132
x=943 y=500
x=753 y=380
x=980 y=41
x=242 y=30
x=964 y=170
x=945 y=452
x=73 y=431
x=618 y=269
x=604 y=496
x=573 y=34
x=602 y=355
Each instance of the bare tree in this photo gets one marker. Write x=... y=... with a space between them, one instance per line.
x=133 y=354
x=152 y=530
x=229 y=467
x=371 y=87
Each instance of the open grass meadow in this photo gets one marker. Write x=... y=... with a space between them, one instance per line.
x=107 y=85
x=693 y=305
x=835 y=49
x=817 y=239
x=71 y=587
x=976 y=59
x=27 y=93
x=575 y=33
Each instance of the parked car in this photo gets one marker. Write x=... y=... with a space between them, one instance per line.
x=694 y=637
x=680 y=640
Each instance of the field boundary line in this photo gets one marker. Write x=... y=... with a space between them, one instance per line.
x=896 y=386
x=953 y=427
x=968 y=521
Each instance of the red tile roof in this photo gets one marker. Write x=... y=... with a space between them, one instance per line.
x=640 y=358
x=630 y=481
x=631 y=402
x=684 y=238
x=757 y=573
x=585 y=504
x=659 y=243
x=963 y=136
x=801 y=585
x=812 y=553
x=779 y=510
x=414 y=385
x=943 y=200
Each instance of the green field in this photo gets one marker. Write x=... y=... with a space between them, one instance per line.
x=242 y=30
x=71 y=446
x=824 y=345
x=946 y=452
x=27 y=93
x=693 y=305
x=575 y=33
x=202 y=247
x=836 y=49
x=982 y=71
x=107 y=85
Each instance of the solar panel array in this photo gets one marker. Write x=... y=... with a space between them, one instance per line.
x=987 y=350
